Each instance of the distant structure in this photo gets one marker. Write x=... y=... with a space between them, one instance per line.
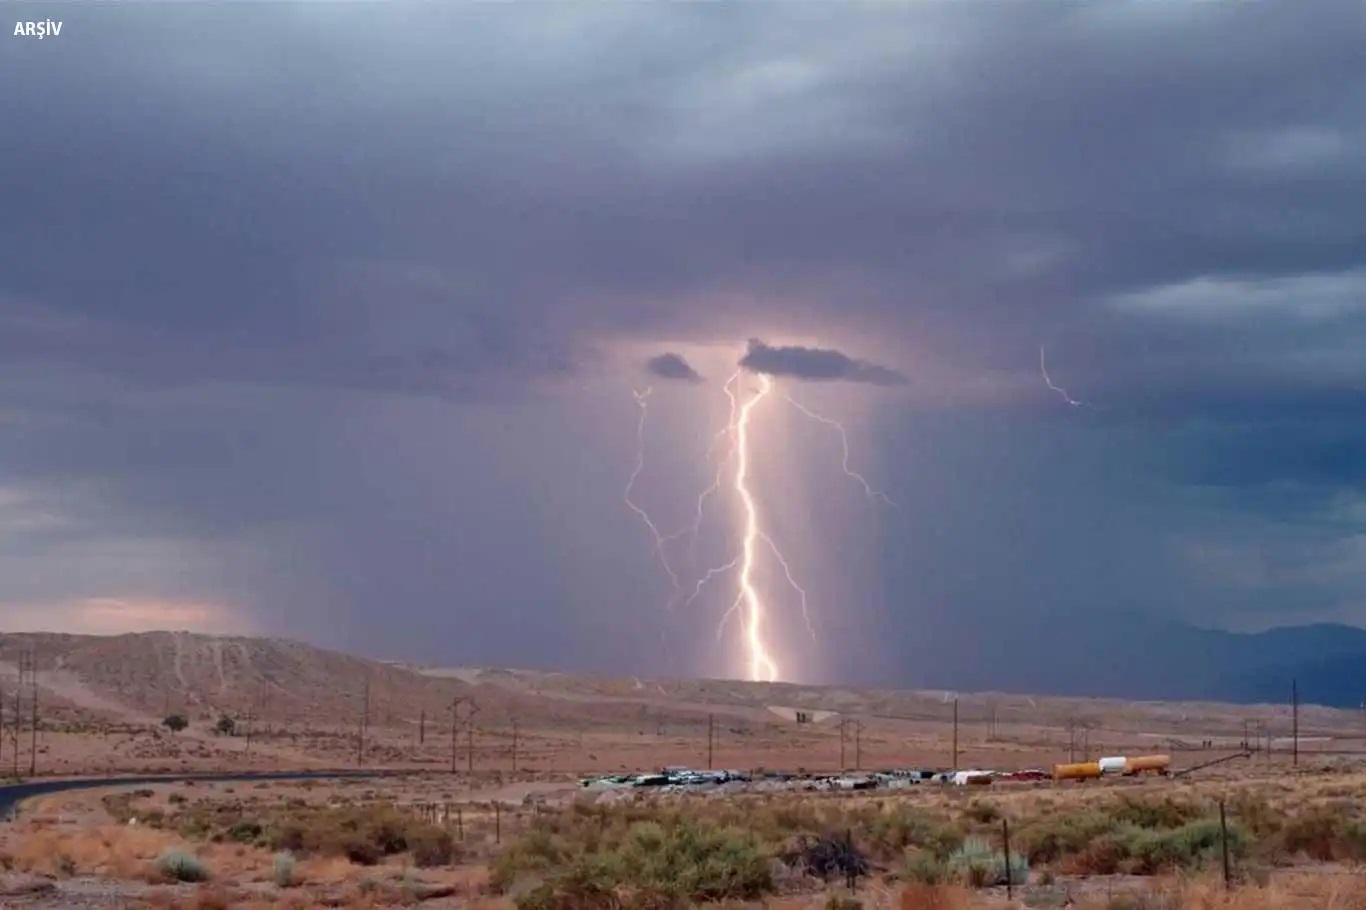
x=802 y=715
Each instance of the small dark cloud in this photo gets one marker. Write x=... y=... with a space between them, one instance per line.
x=819 y=364
x=672 y=366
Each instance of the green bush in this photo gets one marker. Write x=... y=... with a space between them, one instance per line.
x=981 y=865
x=282 y=870
x=179 y=866
x=983 y=811
x=668 y=860
x=1147 y=851
x=925 y=868
x=430 y=847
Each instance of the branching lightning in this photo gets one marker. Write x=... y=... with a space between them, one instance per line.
x=750 y=603
x=1043 y=368
x=868 y=489
x=642 y=402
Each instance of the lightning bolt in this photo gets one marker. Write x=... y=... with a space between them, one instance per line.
x=761 y=665
x=642 y=402
x=727 y=431
x=868 y=488
x=1043 y=368
x=755 y=541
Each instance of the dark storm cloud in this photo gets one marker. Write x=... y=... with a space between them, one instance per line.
x=672 y=366
x=226 y=311
x=816 y=364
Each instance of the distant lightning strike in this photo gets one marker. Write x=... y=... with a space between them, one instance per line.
x=1043 y=368
x=749 y=603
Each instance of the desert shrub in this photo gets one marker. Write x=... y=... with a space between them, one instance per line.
x=983 y=811
x=1256 y=814
x=675 y=858
x=1147 y=851
x=980 y=865
x=179 y=866
x=1105 y=855
x=841 y=902
x=1154 y=813
x=923 y=867
x=1325 y=833
x=282 y=869
x=888 y=833
x=431 y=846
x=244 y=832
x=1049 y=839
x=119 y=806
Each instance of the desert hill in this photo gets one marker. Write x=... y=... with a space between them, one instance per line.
x=142 y=677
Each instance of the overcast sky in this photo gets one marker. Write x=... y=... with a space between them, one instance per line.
x=324 y=320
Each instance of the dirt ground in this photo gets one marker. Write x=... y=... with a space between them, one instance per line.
x=740 y=738
x=69 y=849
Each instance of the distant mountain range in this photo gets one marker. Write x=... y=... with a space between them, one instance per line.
x=1126 y=656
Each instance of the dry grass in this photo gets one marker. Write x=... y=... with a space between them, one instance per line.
x=110 y=851
x=1312 y=892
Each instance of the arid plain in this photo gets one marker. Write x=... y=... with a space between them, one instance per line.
x=491 y=810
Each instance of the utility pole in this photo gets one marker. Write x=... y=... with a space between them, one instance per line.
x=469 y=737
x=1071 y=741
x=17 y=727
x=1295 y=722
x=955 y=734
x=360 y=732
x=844 y=726
x=514 y=745
x=711 y=739
x=455 y=721
x=858 y=745
x=33 y=732
x=248 y=732
x=422 y=727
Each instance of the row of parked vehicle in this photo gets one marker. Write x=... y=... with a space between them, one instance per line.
x=894 y=779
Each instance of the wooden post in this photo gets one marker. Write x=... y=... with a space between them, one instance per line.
x=497 y=823
x=1005 y=843
x=1294 y=713
x=1223 y=845
x=33 y=731
x=955 y=734
x=455 y=725
x=850 y=870
x=711 y=739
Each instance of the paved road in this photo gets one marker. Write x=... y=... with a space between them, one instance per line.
x=12 y=794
